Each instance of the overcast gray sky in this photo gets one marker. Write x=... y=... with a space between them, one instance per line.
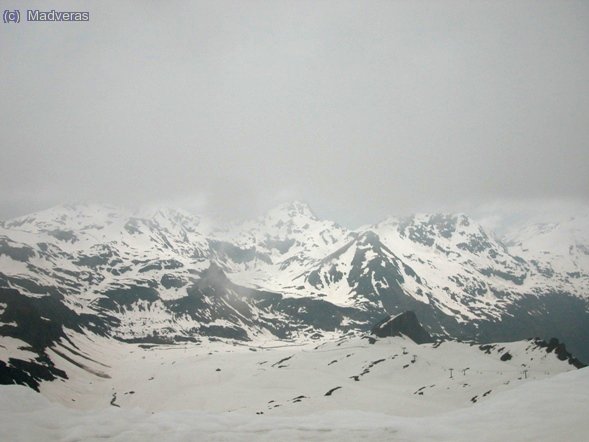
x=362 y=109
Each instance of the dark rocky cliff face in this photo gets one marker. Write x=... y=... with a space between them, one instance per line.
x=405 y=324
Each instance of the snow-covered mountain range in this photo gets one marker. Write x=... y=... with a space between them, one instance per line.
x=163 y=275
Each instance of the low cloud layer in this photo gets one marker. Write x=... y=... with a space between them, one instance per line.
x=362 y=110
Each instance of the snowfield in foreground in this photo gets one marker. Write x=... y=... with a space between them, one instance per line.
x=552 y=409
x=346 y=389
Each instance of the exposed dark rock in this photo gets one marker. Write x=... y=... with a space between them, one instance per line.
x=29 y=373
x=487 y=348
x=40 y=323
x=113 y=401
x=329 y=393
x=169 y=280
x=15 y=252
x=405 y=324
x=281 y=361
x=63 y=235
x=560 y=351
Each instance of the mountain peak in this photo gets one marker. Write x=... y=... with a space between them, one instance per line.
x=293 y=209
x=68 y=216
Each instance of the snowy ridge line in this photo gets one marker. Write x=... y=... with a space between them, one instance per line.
x=165 y=275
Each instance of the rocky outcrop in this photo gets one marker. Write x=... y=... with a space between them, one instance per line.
x=404 y=324
x=560 y=351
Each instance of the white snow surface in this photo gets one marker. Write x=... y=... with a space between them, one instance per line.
x=215 y=391
x=218 y=390
x=560 y=247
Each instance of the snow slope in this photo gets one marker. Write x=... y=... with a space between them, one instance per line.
x=218 y=391
x=392 y=375
x=146 y=274
x=558 y=250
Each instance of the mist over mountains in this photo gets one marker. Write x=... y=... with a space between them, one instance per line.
x=165 y=276
x=161 y=278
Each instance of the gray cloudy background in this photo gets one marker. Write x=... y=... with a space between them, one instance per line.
x=363 y=109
